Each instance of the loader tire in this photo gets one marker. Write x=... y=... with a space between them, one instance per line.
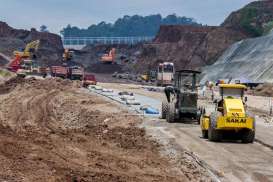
x=213 y=134
x=164 y=109
x=170 y=117
x=248 y=136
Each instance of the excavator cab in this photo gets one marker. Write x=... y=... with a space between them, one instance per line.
x=109 y=58
x=67 y=55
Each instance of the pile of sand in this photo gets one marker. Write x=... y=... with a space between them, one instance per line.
x=265 y=90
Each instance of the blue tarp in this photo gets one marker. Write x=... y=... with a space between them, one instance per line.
x=150 y=110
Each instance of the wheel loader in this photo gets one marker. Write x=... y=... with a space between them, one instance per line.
x=181 y=104
x=230 y=117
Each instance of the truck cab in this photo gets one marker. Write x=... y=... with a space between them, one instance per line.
x=165 y=74
x=89 y=79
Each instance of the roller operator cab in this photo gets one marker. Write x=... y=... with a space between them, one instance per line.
x=230 y=117
x=181 y=104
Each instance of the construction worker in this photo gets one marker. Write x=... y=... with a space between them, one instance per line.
x=168 y=91
x=204 y=89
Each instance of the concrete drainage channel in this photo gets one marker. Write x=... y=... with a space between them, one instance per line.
x=134 y=102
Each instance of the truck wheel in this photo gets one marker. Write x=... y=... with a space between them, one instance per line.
x=248 y=136
x=164 y=109
x=213 y=134
x=171 y=113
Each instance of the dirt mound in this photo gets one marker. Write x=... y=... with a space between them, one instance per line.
x=9 y=85
x=126 y=138
x=55 y=83
x=90 y=57
x=264 y=90
x=53 y=131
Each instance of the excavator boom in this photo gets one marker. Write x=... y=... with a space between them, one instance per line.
x=29 y=49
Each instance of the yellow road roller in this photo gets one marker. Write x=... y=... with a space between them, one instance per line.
x=230 y=116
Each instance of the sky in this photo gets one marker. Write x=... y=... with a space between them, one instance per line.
x=57 y=14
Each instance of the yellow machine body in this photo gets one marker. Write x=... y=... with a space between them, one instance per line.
x=230 y=112
x=145 y=77
x=29 y=50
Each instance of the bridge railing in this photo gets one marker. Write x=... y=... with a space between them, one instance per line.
x=81 y=41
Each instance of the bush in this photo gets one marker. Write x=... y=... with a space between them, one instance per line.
x=4 y=73
x=268 y=27
x=248 y=16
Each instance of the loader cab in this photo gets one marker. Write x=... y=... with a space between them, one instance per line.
x=187 y=96
x=186 y=80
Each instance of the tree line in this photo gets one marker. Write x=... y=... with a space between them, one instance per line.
x=128 y=26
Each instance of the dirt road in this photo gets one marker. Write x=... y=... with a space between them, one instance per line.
x=51 y=130
x=230 y=161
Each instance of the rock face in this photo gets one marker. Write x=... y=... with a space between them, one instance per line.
x=50 y=49
x=254 y=19
x=189 y=47
x=250 y=59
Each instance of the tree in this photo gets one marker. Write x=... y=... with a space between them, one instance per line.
x=43 y=28
x=128 y=26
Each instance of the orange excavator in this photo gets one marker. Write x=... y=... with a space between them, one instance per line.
x=109 y=58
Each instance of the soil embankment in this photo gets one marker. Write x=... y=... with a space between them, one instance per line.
x=53 y=131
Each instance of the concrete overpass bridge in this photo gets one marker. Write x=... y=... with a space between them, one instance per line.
x=80 y=42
